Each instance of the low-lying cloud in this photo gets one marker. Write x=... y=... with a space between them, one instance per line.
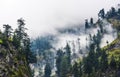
x=44 y=16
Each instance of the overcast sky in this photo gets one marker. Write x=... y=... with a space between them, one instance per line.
x=43 y=16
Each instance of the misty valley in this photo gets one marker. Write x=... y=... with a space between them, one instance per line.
x=89 y=49
x=77 y=50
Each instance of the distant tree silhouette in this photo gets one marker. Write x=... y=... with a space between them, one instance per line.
x=68 y=53
x=113 y=11
x=86 y=24
x=7 y=31
x=20 y=31
x=101 y=13
x=91 y=21
x=47 y=70
x=58 y=61
x=119 y=11
x=64 y=67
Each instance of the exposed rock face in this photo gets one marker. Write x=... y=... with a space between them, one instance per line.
x=12 y=62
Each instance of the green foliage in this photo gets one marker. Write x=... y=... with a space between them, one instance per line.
x=99 y=62
x=1 y=41
x=104 y=61
x=68 y=53
x=75 y=70
x=63 y=62
x=15 y=52
x=64 y=67
x=58 y=61
x=7 y=31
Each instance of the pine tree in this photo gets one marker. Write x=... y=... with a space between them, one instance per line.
x=119 y=11
x=7 y=31
x=104 y=60
x=47 y=70
x=16 y=42
x=87 y=65
x=113 y=64
x=91 y=60
x=101 y=28
x=113 y=11
x=91 y=21
x=75 y=70
x=58 y=61
x=68 y=53
x=101 y=14
x=86 y=24
x=30 y=56
x=98 y=38
x=21 y=40
x=80 y=69
x=20 y=31
x=64 y=67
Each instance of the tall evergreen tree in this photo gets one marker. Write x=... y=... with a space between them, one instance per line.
x=113 y=11
x=20 y=31
x=101 y=13
x=75 y=70
x=16 y=41
x=80 y=68
x=91 y=21
x=30 y=56
x=113 y=64
x=118 y=11
x=7 y=31
x=104 y=60
x=64 y=67
x=101 y=28
x=86 y=24
x=47 y=70
x=58 y=61
x=68 y=53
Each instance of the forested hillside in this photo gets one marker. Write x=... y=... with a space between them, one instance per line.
x=89 y=50
x=15 y=54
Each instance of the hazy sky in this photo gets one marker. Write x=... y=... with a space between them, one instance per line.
x=44 y=16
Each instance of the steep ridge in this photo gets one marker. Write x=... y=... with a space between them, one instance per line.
x=15 y=54
x=12 y=64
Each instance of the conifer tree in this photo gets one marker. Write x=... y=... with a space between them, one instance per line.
x=20 y=31
x=7 y=31
x=64 y=67
x=102 y=13
x=47 y=70
x=119 y=11
x=80 y=68
x=91 y=21
x=68 y=53
x=104 y=60
x=113 y=64
x=58 y=61
x=113 y=11
x=86 y=24
x=75 y=70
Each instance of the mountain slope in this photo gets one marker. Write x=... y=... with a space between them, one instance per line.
x=12 y=64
